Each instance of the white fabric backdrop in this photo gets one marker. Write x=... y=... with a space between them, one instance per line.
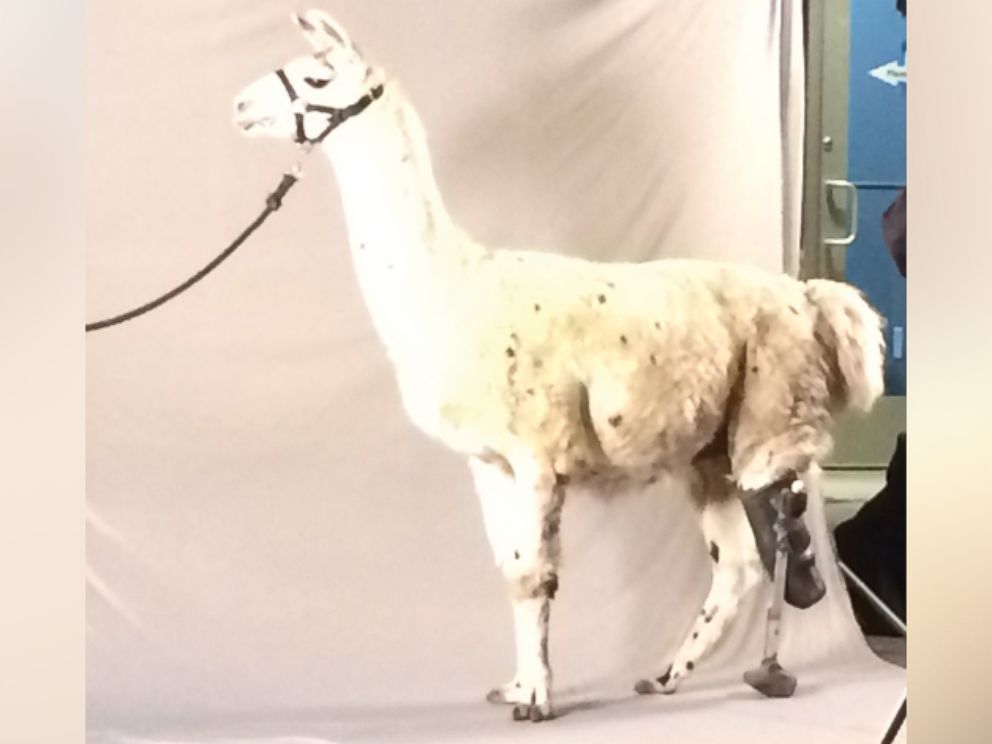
x=273 y=551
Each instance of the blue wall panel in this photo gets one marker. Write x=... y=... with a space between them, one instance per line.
x=876 y=149
x=870 y=267
x=877 y=165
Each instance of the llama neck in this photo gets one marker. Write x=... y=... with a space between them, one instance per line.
x=403 y=243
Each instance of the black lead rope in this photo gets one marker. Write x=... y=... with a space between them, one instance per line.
x=272 y=203
x=336 y=117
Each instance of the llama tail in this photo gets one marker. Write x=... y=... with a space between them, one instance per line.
x=855 y=339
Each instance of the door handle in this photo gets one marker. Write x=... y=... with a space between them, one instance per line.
x=837 y=184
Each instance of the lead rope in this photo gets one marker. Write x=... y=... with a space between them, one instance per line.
x=272 y=203
x=335 y=117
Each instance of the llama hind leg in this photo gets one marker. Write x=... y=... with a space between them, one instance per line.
x=736 y=570
x=781 y=430
x=522 y=511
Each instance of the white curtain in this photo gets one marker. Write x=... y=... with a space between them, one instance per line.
x=274 y=553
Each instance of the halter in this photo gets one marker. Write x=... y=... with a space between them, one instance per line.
x=335 y=116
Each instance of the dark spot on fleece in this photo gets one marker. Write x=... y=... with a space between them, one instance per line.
x=551 y=528
x=602 y=299
x=616 y=420
x=754 y=370
x=657 y=325
x=654 y=360
x=623 y=339
x=510 y=352
x=537 y=308
x=550 y=587
x=793 y=309
x=516 y=554
x=690 y=666
x=667 y=675
x=530 y=391
x=715 y=552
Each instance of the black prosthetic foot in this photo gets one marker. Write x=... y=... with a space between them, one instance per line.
x=804 y=585
x=771 y=680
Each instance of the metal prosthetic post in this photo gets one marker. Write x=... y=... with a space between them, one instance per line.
x=769 y=678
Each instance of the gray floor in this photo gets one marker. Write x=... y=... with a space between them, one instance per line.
x=609 y=626
x=890 y=648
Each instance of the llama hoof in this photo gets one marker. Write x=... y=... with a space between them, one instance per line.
x=646 y=687
x=666 y=684
x=524 y=699
x=532 y=712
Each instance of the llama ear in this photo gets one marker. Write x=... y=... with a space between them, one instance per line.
x=302 y=23
x=330 y=31
x=314 y=35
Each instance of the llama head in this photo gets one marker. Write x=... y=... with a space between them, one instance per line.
x=298 y=98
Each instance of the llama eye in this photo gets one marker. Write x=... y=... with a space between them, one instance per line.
x=316 y=82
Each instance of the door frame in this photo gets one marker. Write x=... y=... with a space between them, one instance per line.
x=865 y=441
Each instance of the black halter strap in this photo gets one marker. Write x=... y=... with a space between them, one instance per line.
x=335 y=116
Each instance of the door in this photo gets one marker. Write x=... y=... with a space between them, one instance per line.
x=856 y=166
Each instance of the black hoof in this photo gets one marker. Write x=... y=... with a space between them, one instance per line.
x=532 y=713
x=771 y=680
x=646 y=687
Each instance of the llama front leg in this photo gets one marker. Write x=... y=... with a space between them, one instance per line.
x=736 y=569
x=522 y=512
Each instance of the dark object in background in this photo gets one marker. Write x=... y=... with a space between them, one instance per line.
x=873 y=542
x=894 y=231
x=873 y=545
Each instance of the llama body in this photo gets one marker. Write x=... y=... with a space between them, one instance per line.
x=550 y=372
x=606 y=369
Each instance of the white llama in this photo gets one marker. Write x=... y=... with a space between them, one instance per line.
x=550 y=373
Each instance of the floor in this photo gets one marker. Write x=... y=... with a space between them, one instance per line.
x=844 y=492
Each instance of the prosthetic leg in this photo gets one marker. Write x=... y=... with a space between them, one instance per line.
x=784 y=545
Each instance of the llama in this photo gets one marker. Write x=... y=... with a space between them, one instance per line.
x=552 y=374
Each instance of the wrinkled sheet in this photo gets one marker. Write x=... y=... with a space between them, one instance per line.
x=274 y=554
